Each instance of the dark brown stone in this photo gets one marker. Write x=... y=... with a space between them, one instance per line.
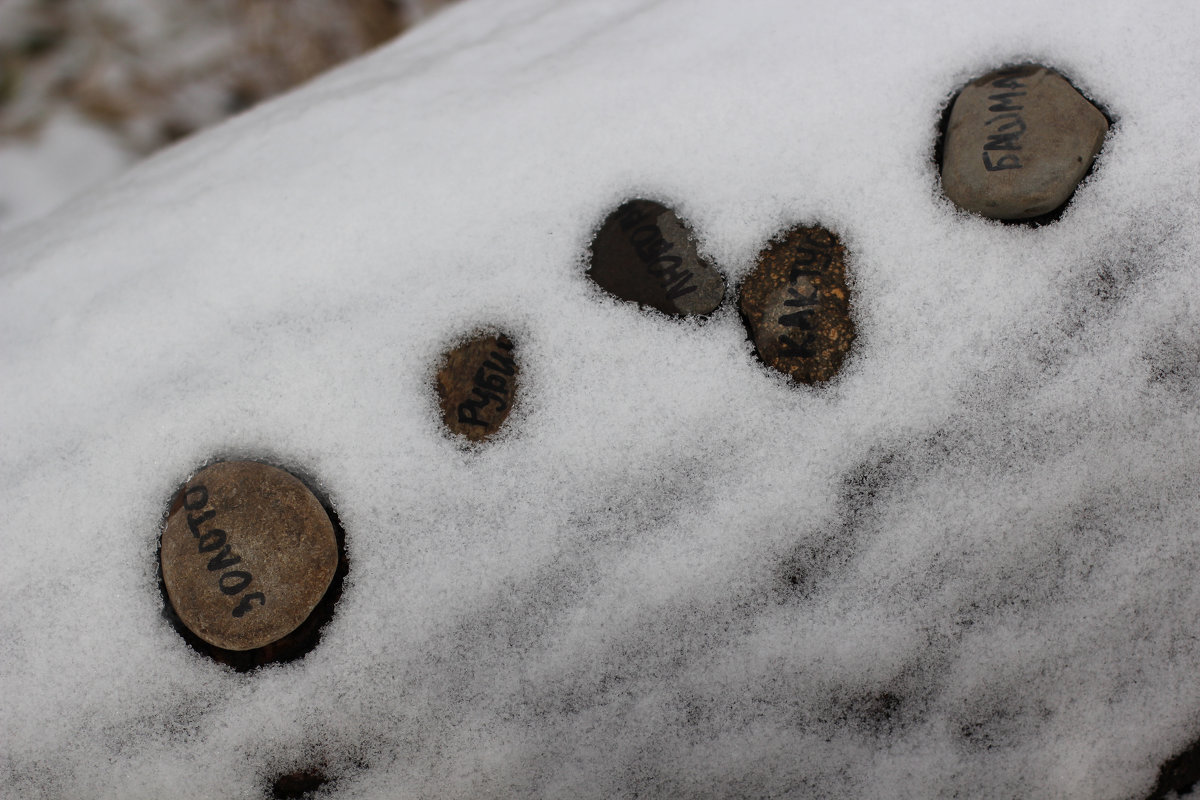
x=797 y=305
x=644 y=253
x=247 y=553
x=477 y=385
x=1018 y=142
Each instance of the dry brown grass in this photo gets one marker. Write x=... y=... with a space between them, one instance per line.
x=156 y=71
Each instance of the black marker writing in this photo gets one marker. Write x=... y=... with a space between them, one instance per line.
x=214 y=540
x=1006 y=136
x=653 y=250
x=803 y=300
x=491 y=385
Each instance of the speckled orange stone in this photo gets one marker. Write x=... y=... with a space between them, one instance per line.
x=247 y=553
x=797 y=305
x=477 y=384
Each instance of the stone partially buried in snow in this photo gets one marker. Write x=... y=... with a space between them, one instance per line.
x=476 y=386
x=247 y=553
x=797 y=305
x=644 y=253
x=1018 y=142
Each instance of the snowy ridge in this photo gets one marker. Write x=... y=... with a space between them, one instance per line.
x=966 y=567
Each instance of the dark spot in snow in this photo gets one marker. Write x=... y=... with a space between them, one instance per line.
x=298 y=784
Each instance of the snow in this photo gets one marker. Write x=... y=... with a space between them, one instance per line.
x=966 y=567
x=70 y=156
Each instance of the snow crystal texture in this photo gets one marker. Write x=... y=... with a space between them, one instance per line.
x=966 y=567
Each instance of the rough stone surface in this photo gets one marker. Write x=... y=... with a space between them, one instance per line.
x=797 y=305
x=477 y=385
x=1018 y=142
x=247 y=553
x=645 y=254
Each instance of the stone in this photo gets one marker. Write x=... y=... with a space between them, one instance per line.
x=476 y=385
x=797 y=305
x=644 y=253
x=1018 y=142
x=247 y=554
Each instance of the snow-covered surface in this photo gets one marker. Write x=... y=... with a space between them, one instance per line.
x=965 y=568
x=69 y=156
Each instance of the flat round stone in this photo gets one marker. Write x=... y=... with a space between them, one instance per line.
x=247 y=553
x=477 y=384
x=644 y=253
x=797 y=305
x=1018 y=142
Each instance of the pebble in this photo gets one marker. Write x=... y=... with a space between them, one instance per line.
x=797 y=305
x=247 y=554
x=476 y=386
x=644 y=253
x=1018 y=142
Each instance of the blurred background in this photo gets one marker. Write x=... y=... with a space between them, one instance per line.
x=88 y=87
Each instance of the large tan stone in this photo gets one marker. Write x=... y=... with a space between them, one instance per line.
x=1018 y=142
x=797 y=305
x=644 y=253
x=247 y=553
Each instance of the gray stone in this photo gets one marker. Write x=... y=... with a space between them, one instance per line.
x=645 y=254
x=247 y=553
x=1018 y=142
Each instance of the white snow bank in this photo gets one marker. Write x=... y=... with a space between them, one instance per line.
x=967 y=567
x=70 y=156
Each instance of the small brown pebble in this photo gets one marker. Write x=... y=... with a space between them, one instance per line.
x=797 y=305
x=247 y=553
x=476 y=386
x=644 y=253
x=1018 y=142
